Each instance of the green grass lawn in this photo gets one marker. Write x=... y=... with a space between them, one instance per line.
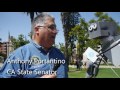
x=103 y=73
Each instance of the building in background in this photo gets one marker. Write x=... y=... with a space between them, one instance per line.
x=6 y=47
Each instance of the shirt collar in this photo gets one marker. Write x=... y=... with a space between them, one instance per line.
x=39 y=47
x=35 y=44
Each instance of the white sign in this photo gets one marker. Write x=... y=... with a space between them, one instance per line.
x=91 y=54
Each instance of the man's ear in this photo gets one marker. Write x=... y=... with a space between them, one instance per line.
x=36 y=30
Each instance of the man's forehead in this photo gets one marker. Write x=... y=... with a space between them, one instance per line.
x=50 y=21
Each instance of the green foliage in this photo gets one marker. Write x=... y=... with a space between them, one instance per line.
x=55 y=45
x=62 y=47
x=20 y=41
x=92 y=43
x=69 y=20
x=81 y=35
x=32 y=14
x=103 y=16
x=92 y=21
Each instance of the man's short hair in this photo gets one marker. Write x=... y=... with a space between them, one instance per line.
x=40 y=20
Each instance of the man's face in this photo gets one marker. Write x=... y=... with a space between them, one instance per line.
x=47 y=33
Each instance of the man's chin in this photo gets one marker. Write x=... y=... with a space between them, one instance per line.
x=50 y=45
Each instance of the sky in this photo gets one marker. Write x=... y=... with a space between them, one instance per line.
x=19 y=23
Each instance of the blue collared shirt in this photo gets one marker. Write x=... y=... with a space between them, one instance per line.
x=24 y=62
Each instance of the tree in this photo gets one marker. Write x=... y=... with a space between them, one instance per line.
x=103 y=16
x=55 y=45
x=20 y=41
x=32 y=14
x=69 y=20
x=0 y=39
x=62 y=48
x=81 y=35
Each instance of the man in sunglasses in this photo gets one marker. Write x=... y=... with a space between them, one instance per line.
x=38 y=59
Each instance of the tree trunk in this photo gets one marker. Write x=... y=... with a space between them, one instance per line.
x=66 y=51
